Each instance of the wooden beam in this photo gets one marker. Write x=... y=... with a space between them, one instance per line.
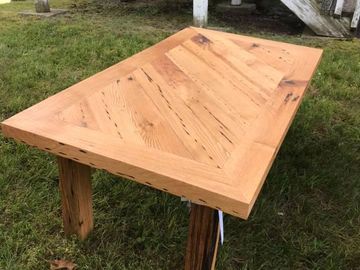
x=200 y=12
x=339 y=8
x=76 y=195
x=357 y=31
x=309 y=11
x=203 y=238
x=356 y=17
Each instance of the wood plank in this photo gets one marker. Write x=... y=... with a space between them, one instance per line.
x=76 y=197
x=309 y=12
x=357 y=31
x=206 y=108
x=203 y=238
x=241 y=59
x=209 y=79
x=243 y=79
x=198 y=139
x=266 y=57
x=356 y=16
x=339 y=8
x=148 y=124
x=81 y=114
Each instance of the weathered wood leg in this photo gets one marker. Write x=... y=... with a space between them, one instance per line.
x=203 y=238
x=76 y=197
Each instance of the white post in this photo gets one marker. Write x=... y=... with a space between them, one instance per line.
x=200 y=12
x=339 y=8
x=235 y=2
x=356 y=16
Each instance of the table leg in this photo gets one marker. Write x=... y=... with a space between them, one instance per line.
x=76 y=197
x=203 y=238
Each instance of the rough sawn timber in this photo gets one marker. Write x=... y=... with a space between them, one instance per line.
x=203 y=238
x=76 y=197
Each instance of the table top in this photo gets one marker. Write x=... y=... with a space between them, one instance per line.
x=201 y=115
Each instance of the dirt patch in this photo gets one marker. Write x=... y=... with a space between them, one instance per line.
x=272 y=17
x=290 y=25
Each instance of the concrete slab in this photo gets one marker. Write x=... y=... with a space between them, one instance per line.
x=53 y=12
x=243 y=9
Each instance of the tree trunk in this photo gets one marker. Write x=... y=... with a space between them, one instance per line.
x=42 y=6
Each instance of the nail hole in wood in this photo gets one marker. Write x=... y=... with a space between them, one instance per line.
x=82 y=151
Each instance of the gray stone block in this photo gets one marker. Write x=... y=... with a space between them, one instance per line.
x=53 y=12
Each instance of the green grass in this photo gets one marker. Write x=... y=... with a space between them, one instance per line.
x=307 y=215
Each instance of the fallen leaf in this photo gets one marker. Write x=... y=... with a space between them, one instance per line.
x=62 y=265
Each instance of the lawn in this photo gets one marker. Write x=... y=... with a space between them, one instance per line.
x=307 y=215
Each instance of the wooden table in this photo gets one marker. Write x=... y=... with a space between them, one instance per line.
x=200 y=115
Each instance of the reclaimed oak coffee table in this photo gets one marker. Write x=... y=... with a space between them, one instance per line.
x=200 y=115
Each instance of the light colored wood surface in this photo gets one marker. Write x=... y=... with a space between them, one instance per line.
x=200 y=115
x=76 y=197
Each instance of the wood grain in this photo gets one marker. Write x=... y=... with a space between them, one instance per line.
x=200 y=115
x=76 y=197
x=203 y=238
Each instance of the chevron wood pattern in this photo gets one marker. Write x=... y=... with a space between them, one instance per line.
x=200 y=115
